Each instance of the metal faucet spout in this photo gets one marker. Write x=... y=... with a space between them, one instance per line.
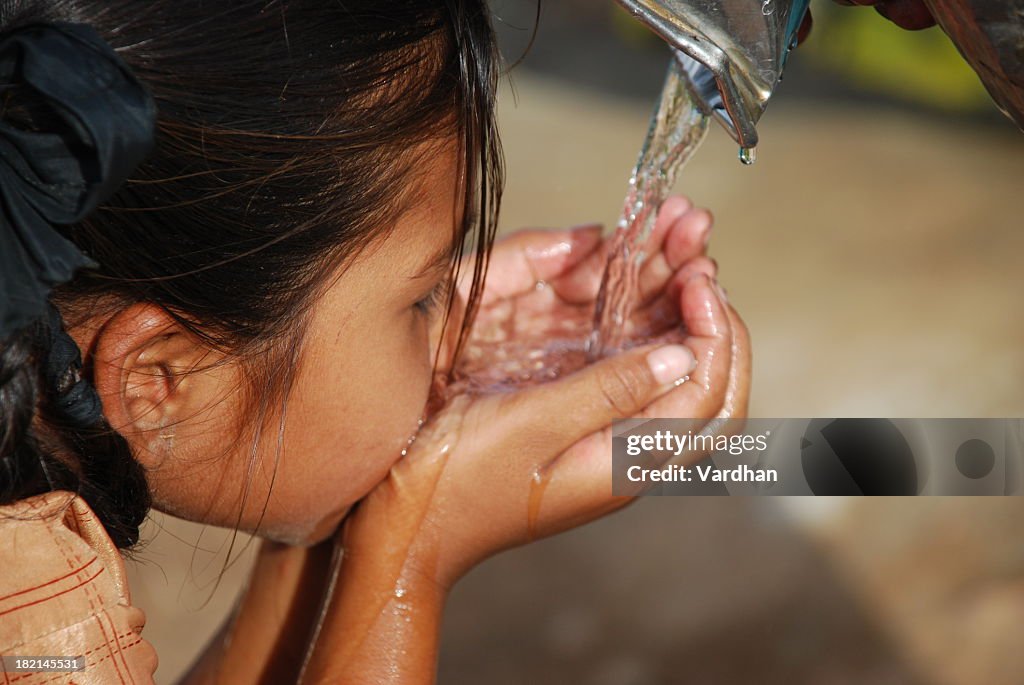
x=732 y=50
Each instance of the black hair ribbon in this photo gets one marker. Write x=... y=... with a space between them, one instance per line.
x=105 y=126
x=99 y=124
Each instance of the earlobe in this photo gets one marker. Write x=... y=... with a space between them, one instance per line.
x=135 y=354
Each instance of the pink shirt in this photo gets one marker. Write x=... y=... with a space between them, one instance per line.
x=63 y=593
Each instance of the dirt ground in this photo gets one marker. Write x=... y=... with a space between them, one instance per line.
x=875 y=256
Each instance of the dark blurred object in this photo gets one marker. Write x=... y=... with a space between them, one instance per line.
x=988 y=33
x=851 y=58
x=912 y=15
x=990 y=36
x=734 y=57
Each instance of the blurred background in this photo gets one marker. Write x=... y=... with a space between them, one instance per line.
x=874 y=251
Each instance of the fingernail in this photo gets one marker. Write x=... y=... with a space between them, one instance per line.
x=721 y=291
x=691 y=277
x=670 y=363
x=707 y=237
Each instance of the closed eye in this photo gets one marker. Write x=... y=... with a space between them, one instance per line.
x=433 y=300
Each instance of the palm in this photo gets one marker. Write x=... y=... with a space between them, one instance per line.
x=537 y=310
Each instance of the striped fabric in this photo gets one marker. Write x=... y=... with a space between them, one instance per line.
x=63 y=593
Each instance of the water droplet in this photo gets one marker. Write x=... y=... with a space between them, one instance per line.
x=748 y=155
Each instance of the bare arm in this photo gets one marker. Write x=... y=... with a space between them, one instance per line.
x=381 y=625
x=263 y=641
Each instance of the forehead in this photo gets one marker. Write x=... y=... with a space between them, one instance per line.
x=430 y=214
x=435 y=177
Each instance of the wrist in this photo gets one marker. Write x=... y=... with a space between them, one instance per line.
x=414 y=574
x=390 y=545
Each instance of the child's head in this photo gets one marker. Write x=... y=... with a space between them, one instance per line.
x=270 y=297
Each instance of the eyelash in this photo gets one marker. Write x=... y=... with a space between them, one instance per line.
x=434 y=299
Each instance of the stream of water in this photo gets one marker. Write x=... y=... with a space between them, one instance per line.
x=536 y=337
x=677 y=129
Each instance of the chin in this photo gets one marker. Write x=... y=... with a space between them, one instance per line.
x=303 y=534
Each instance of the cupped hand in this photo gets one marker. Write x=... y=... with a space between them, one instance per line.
x=494 y=470
x=537 y=310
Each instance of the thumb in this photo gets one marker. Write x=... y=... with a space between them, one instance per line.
x=559 y=413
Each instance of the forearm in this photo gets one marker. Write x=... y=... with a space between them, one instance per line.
x=265 y=638
x=381 y=625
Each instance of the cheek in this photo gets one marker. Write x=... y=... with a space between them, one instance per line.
x=353 y=408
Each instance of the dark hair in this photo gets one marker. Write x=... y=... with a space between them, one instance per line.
x=284 y=129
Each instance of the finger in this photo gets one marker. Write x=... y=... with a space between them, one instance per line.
x=805 y=28
x=670 y=212
x=688 y=238
x=710 y=336
x=693 y=241
x=579 y=482
x=546 y=419
x=580 y=284
x=527 y=257
x=737 y=397
x=685 y=273
x=664 y=310
x=912 y=15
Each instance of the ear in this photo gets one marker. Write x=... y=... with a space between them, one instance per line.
x=144 y=367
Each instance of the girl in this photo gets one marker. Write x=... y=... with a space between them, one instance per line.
x=261 y=311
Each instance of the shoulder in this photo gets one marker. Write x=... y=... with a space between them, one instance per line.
x=63 y=593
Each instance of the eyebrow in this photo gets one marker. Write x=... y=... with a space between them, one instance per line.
x=442 y=257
